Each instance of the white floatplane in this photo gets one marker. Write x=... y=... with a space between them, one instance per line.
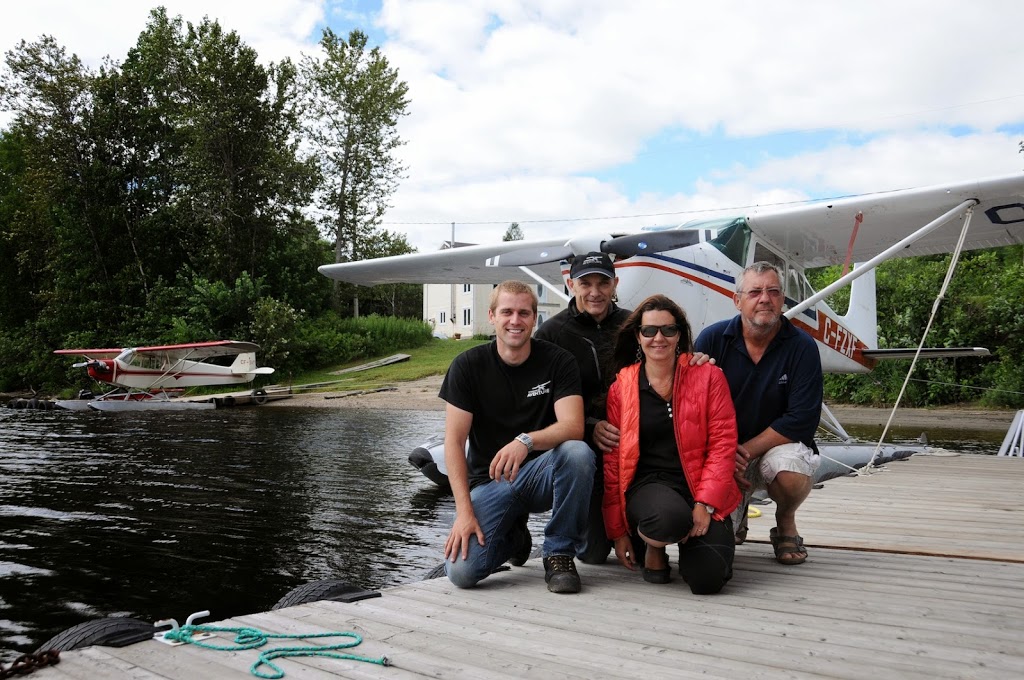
x=697 y=263
x=148 y=378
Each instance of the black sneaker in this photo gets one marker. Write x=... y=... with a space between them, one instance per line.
x=522 y=543
x=560 y=574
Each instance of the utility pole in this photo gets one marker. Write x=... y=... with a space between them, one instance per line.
x=453 y=288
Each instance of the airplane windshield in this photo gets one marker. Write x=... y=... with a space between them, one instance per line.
x=146 y=360
x=732 y=239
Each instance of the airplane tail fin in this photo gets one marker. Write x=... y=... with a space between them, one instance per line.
x=245 y=364
x=862 y=316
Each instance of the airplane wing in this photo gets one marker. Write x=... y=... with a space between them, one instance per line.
x=812 y=235
x=90 y=353
x=467 y=264
x=201 y=350
x=192 y=350
x=824 y=233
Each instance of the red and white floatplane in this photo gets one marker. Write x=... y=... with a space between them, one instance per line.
x=150 y=378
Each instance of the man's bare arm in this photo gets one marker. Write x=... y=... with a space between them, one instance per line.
x=456 y=431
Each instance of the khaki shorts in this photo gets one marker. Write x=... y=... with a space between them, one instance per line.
x=792 y=457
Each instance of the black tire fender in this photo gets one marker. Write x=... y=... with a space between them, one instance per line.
x=325 y=589
x=259 y=396
x=118 y=631
x=436 y=572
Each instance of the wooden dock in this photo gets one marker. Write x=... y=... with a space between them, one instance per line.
x=915 y=572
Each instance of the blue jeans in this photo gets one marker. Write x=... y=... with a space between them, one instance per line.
x=558 y=480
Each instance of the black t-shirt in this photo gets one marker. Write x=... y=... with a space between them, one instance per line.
x=507 y=400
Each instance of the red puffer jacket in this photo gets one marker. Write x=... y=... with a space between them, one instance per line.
x=705 y=425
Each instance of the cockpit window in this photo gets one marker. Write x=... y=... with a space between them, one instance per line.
x=733 y=239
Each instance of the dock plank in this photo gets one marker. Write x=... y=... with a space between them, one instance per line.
x=915 y=572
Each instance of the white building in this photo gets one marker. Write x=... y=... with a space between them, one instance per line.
x=461 y=309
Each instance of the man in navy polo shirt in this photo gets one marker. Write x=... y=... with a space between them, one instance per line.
x=774 y=374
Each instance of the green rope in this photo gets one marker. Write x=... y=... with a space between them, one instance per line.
x=251 y=638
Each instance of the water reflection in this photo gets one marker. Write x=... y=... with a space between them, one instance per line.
x=162 y=514
x=984 y=442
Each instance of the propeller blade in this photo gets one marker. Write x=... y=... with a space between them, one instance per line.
x=530 y=256
x=651 y=242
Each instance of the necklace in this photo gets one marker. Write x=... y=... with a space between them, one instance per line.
x=662 y=387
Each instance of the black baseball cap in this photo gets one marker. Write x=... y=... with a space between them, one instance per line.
x=592 y=263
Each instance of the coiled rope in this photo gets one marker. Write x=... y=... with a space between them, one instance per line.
x=251 y=638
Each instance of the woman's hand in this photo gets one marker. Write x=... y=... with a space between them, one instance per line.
x=701 y=520
x=624 y=552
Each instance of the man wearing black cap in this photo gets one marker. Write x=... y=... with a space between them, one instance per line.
x=587 y=328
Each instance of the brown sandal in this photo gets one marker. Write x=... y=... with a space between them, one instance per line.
x=788 y=545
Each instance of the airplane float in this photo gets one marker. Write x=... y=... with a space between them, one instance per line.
x=146 y=378
x=697 y=265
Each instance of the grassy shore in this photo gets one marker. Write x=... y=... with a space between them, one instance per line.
x=429 y=360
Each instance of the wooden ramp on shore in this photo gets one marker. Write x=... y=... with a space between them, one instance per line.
x=916 y=572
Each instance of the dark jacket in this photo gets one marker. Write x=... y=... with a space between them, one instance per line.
x=592 y=344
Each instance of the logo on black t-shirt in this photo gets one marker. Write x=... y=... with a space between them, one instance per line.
x=784 y=380
x=543 y=388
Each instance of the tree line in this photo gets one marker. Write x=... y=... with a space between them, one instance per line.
x=189 y=193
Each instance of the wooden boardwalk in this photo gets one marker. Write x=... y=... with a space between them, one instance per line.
x=916 y=572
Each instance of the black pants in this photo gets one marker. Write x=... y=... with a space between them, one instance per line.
x=598 y=546
x=661 y=512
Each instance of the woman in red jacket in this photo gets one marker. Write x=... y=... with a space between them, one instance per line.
x=671 y=478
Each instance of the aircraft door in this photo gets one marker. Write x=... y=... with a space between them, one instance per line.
x=697 y=293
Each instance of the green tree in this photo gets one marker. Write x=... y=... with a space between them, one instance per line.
x=213 y=146
x=391 y=299
x=354 y=100
x=513 y=233
x=56 y=229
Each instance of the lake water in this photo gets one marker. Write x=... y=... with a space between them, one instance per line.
x=158 y=515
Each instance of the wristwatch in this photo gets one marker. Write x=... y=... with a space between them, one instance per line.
x=526 y=440
x=707 y=507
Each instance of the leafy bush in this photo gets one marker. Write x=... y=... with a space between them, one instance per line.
x=386 y=334
x=273 y=328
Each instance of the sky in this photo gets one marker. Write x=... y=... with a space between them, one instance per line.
x=583 y=116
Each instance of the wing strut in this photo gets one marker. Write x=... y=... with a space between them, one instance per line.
x=881 y=257
x=935 y=308
x=544 y=282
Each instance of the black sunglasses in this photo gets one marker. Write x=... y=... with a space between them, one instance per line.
x=669 y=331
